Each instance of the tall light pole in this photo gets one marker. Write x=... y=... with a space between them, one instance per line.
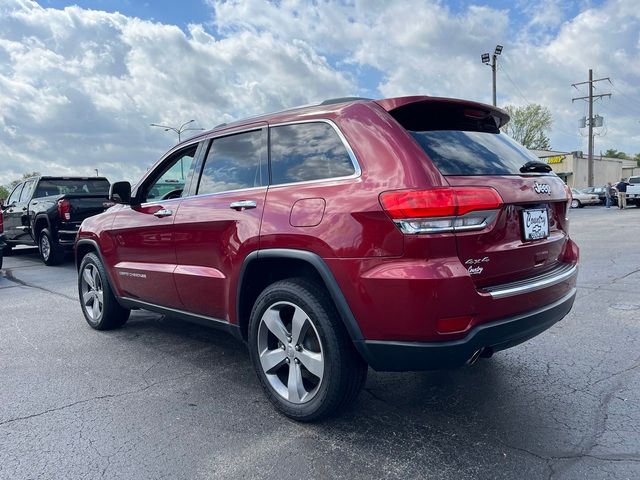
x=182 y=128
x=486 y=58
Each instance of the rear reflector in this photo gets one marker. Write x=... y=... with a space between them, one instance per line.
x=441 y=209
x=453 y=325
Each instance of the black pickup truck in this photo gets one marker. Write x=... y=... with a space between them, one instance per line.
x=47 y=212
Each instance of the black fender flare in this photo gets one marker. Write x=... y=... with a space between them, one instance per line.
x=325 y=274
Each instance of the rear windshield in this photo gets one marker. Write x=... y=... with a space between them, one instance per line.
x=60 y=186
x=457 y=152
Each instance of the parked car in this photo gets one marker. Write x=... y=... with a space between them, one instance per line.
x=633 y=191
x=402 y=234
x=601 y=193
x=47 y=212
x=580 y=199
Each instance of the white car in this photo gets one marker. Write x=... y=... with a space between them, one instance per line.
x=581 y=199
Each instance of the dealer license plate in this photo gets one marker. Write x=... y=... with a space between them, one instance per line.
x=535 y=223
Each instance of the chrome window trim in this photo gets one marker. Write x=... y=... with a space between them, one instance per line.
x=352 y=156
x=549 y=279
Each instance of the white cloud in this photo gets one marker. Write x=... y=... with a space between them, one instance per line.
x=78 y=88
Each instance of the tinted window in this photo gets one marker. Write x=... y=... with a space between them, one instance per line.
x=473 y=153
x=307 y=151
x=59 y=186
x=235 y=162
x=26 y=191
x=15 y=195
x=171 y=182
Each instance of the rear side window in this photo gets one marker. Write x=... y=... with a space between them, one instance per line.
x=235 y=162
x=307 y=151
x=458 y=152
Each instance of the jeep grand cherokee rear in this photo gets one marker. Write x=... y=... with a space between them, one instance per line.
x=404 y=234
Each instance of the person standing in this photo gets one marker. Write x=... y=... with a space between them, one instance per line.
x=608 y=194
x=622 y=194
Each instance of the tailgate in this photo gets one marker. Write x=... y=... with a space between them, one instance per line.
x=528 y=235
x=84 y=206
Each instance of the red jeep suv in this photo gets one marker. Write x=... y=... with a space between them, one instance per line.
x=402 y=234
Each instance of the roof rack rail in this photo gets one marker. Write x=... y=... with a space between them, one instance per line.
x=332 y=101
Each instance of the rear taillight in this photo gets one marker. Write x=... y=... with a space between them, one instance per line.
x=444 y=209
x=570 y=252
x=64 y=209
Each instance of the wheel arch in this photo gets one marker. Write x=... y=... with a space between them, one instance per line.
x=85 y=246
x=40 y=223
x=263 y=267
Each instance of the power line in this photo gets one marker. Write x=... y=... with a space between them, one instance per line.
x=513 y=83
x=590 y=98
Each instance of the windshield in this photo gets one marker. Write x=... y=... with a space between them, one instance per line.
x=59 y=186
x=457 y=152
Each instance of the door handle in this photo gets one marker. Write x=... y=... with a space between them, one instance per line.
x=163 y=213
x=243 y=205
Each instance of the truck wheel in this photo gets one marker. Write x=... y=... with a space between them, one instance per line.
x=6 y=251
x=51 y=252
x=303 y=355
x=0 y=258
x=100 y=308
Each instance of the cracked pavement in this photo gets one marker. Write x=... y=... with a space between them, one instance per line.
x=161 y=398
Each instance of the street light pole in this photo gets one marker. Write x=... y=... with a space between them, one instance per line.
x=485 y=59
x=182 y=128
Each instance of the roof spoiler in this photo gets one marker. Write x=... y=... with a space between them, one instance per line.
x=402 y=108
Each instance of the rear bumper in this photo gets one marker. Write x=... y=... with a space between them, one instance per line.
x=67 y=235
x=497 y=335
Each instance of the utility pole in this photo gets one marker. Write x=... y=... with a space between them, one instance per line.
x=485 y=59
x=590 y=98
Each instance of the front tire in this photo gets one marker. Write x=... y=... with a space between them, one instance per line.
x=576 y=204
x=50 y=250
x=301 y=351
x=99 y=306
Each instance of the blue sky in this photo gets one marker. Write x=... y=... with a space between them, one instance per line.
x=81 y=83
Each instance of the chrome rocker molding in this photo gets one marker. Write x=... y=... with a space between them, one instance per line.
x=548 y=279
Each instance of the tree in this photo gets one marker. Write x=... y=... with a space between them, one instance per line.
x=4 y=194
x=613 y=153
x=23 y=177
x=529 y=125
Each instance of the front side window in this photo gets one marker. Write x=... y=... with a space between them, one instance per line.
x=170 y=184
x=307 y=151
x=15 y=195
x=235 y=162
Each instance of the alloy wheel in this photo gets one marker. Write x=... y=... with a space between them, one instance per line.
x=92 y=292
x=290 y=352
x=45 y=247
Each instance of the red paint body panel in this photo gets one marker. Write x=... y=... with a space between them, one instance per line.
x=144 y=245
x=212 y=241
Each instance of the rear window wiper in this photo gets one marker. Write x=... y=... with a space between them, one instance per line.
x=535 y=166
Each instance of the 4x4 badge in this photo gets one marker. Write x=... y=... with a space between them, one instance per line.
x=541 y=188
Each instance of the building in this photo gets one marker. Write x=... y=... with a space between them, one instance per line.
x=573 y=167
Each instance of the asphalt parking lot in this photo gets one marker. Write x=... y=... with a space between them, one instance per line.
x=165 y=399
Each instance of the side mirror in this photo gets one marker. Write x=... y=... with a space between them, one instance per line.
x=120 y=192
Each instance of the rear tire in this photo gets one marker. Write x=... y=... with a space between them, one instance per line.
x=294 y=325
x=99 y=306
x=50 y=250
